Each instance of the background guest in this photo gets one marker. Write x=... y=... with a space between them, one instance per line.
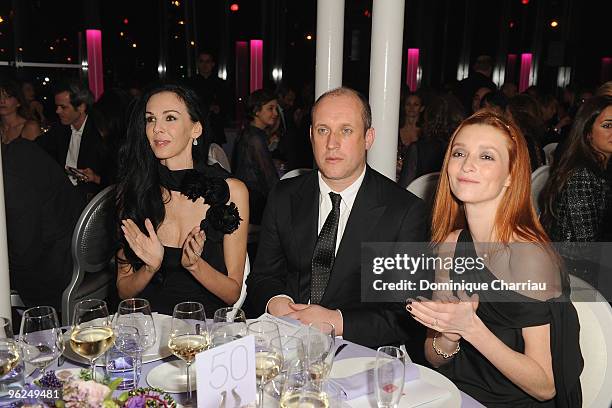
x=15 y=116
x=37 y=109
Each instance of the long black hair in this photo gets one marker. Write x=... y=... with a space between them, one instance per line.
x=578 y=153
x=139 y=195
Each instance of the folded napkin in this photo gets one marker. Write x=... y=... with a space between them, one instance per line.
x=420 y=392
x=362 y=383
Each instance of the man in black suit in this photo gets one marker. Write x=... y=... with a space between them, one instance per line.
x=308 y=264
x=76 y=142
x=480 y=77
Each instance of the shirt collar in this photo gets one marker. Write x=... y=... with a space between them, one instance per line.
x=82 y=126
x=348 y=194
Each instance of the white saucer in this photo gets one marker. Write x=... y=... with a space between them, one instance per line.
x=431 y=389
x=172 y=377
x=158 y=351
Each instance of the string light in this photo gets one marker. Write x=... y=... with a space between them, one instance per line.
x=181 y=22
x=133 y=45
x=309 y=37
x=554 y=24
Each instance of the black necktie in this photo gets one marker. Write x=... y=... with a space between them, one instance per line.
x=324 y=252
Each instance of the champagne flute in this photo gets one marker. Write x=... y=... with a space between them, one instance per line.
x=389 y=376
x=229 y=323
x=188 y=334
x=40 y=337
x=92 y=333
x=268 y=354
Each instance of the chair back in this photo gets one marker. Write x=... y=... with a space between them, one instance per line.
x=294 y=173
x=549 y=152
x=216 y=154
x=93 y=250
x=595 y=344
x=243 y=291
x=539 y=178
x=425 y=187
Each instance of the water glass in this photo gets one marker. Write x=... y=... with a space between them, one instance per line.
x=12 y=369
x=316 y=394
x=124 y=359
x=136 y=312
x=319 y=345
x=389 y=376
x=229 y=323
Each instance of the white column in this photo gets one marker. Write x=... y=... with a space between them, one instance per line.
x=330 y=36
x=5 y=282
x=385 y=82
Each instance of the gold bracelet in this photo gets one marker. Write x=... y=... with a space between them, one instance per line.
x=442 y=353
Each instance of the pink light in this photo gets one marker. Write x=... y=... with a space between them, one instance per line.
x=525 y=71
x=606 y=69
x=412 y=67
x=256 y=65
x=94 y=62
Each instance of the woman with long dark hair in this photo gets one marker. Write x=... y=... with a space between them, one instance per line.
x=15 y=116
x=505 y=348
x=184 y=223
x=577 y=200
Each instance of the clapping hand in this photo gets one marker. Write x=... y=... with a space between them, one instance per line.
x=193 y=248
x=451 y=316
x=148 y=248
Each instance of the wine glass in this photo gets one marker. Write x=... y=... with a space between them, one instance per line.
x=268 y=354
x=137 y=313
x=229 y=323
x=92 y=333
x=188 y=334
x=11 y=367
x=319 y=343
x=6 y=328
x=40 y=337
x=294 y=363
x=389 y=376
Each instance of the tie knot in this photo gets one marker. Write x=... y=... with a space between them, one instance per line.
x=335 y=199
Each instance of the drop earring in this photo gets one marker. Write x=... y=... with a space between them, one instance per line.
x=195 y=142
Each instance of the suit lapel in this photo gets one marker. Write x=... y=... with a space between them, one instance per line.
x=364 y=216
x=64 y=143
x=304 y=217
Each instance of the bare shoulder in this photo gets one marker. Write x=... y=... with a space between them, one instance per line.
x=31 y=130
x=237 y=187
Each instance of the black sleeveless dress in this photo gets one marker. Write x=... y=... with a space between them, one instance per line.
x=174 y=284
x=475 y=375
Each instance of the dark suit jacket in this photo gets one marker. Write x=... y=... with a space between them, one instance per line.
x=382 y=212
x=92 y=152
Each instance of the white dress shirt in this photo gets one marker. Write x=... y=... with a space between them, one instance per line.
x=348 y=196
x=72 y=157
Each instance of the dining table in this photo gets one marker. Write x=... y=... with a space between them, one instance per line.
x=425 y=388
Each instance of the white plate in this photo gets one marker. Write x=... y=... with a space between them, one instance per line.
x=172 y=377
x=431 y=390
x=158 y=351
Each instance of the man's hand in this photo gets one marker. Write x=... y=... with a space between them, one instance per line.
x=279 y=306
x=314 y=313
x=90 y=176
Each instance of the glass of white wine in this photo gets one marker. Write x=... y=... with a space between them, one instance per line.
x=40 y=337
x=302 y=392
x=92 y=332
x=268 y=354
x=188 y=334
x=11 y=366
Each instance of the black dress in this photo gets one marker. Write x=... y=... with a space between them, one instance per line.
x=173 y=283
x=475 y=375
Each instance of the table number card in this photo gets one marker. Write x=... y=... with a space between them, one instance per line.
x=226 y=375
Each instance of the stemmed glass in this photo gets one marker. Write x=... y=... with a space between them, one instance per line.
x=137 y=313
x=268 y=354
x=229 y=323
x=389 y=376
x=11 y=367
x=319 y=342
x=188 y=334
x=92 y=332
x=40 y=337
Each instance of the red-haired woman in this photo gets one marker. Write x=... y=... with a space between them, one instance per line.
x=510 y=348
